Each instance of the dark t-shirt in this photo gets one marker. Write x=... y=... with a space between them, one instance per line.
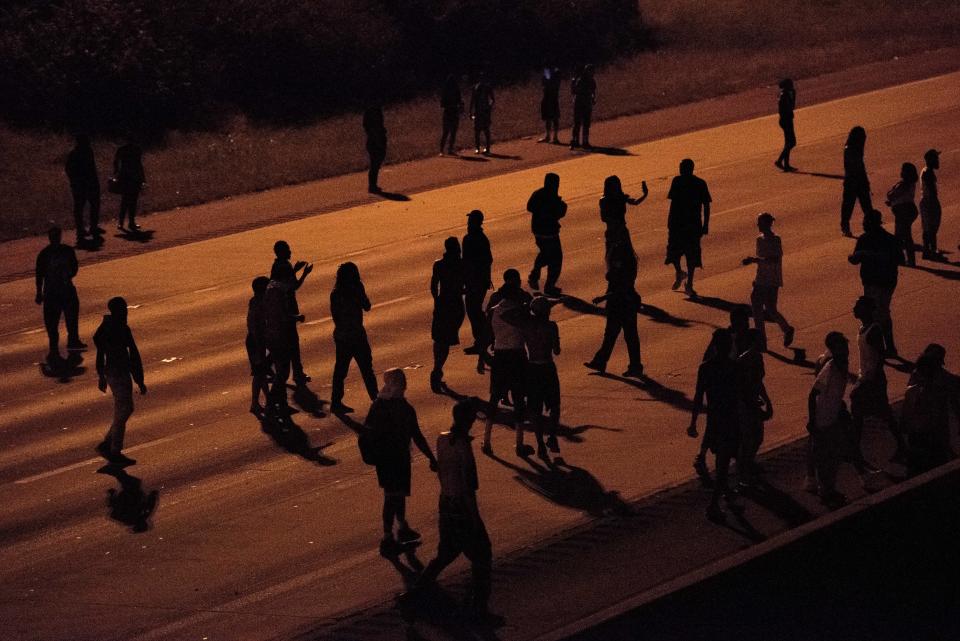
x=583 y=89
x=117 y=354
x=854 y=169
x=282 y=272
x=477 y=259
x=688 y=194
x=880 y=265
x=57 y=265
x=547 y=209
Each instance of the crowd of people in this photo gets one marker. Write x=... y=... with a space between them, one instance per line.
x=514 y=337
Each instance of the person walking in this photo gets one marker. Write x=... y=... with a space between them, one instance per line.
x=547 y=208
x=451 y=106
x=900 y=199
x=879 y=255
x=118 y=361
x=688 y=221
x=81 y=170
x=755 y=407
x=828 y=421
x=786 y=104
x=481 y=112
x=256 y=344
x=718 y=380
x=130 y=180
x=461 y=528
x=769 y=280
x=541 y=337
x=623 y=304
x=447 y=289
x=348 y=302
x=550 y=105
x=279 y=341
x=584 y=90
x=477 y=264
x=376 y=132
x=394 y=425
x=613 y=210
x=856 y=185
x=283 y=271
x=55 y=268
x=930 y=209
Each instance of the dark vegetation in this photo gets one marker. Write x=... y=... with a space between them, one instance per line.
x=152 y=65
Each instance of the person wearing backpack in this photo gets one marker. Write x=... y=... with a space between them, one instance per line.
x=392 y=422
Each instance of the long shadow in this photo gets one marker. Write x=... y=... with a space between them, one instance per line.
x=658 y=391
x=717 y=303
x=470 y=158
x=389 y=195
x=307 y=400
x=130 y=505
x=289 y=436
x=503 y=156
x=452 y=393
x=569 y=486
x=90 y=243
x=64 y=370
x=949 y=274
x=572 y=433
x=438 y=608
x=737 y=522
x=136 y=235
x=778 y=502
x=817 y=174
x=658 y=315
x=796 y=360
x=581 y=306
x=607 y=151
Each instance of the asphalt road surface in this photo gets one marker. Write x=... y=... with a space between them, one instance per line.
x=251 y=541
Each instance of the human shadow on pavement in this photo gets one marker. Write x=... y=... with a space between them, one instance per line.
x=712 y=301
x=307 y=400
x=778 y=502
x=389 y=195
x=658 y=315
x=817 y=174
x=136 y=235
x=581 y=306
x=129 y=505
x=406 y=563
x=800 y=360
x=568 y=486
x=606 y=151
x=289 y=436
x=735 y=521
x=435 y=607
x=948 y=274
x=90 y=243
x=657 y=390
x=503 y=156
x=64 y=369
x=572 y=433
x=469 y=158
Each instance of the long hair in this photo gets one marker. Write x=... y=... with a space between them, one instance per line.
x=857 y=138
x=348 y=278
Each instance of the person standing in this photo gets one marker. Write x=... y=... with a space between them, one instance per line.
x=613 y=210
x=879 y=254
x=584 y=90
x=547 y=208
x=481 y=112
x=256 y=344
x=718 y=380
x=477 y=263
x=623 y=304
x=931 y=393
x=394 y=424
x=786 y=103
x=447 y=289
x=348 y=302
x=689 y=196
x=376 y=132
x=827 y=420
x=541 y=336
x=284 y=272
x=900 y=199
x=550 y=104
x=81 y=169
x=461 y=529
x=451 y=105
x=55 y=268
x=930 y=209
x=130 y=176
x=277 y=319
x=856 y=185
x=769 y=280
x=755 y=407
x=118 y=361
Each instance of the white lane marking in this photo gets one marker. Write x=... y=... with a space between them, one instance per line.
x=327 y=319
x=205 y=289
x=234 y=606
x=89 y=461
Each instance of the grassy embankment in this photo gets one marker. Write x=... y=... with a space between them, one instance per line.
x=734 y=45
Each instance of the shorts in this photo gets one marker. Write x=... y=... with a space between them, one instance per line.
x=507 y=373
x=257 y=356
x=684 y=245
x=543 y=386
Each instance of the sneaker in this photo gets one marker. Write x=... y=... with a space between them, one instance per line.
x=302 y=378
x=407 y=535
x=690 y=291
x=256 y=409
x=120 y=227
x=533 y=282
x=544 y=139
x=553 y=445
x=523 y=450
x=76 y=345
x=634 y=371
x=678 y=281
x=486 y=151
x=340 y=408
x=436 y=382
x=388 y=546
x=845 y=230
x=596 y=365
x=778 y=163
x=134 y=227
x=788 y=337
x=477 y=150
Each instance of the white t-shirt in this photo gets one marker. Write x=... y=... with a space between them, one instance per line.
x=832 y=383
x=770 y=270
x=870 y=358
x=505 y=335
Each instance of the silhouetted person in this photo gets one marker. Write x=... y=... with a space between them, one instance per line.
x=481 y=112
x=769 y=280
x=613 y=210
x=394 y=424
x=623 y=303
x=461 y=529
x=718 y=380
x=931 y=394
x=868 y=396
x=256 y=344
x=348 y=302
x=277 y=319
x=541 y=336
x=477 y=262
x=901 y=199
x=81 y=169
x=447 y=289
x=509 y=359
x=451 y=105
x=376 y=133
x=284 y=272
x=584 y=90
x=689 y=196
x=128 y=170
x=856 y=185
x=56 y=266
x=550 y=104
x=755 y=406
x=828 y=420
x=879 y=255
x=547 y=208
x=786 y=103
x=930 y=209
x=119 y=366
x=131 y=505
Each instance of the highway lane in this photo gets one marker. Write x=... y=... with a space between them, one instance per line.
x=250 y=539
